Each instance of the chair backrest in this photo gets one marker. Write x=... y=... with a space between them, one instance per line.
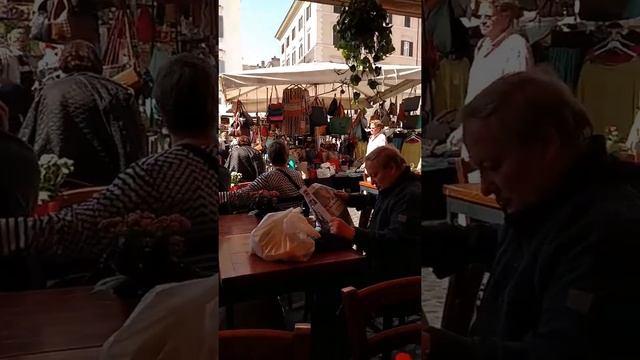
x=463 y=168
x=259 y=344
x=360 y=304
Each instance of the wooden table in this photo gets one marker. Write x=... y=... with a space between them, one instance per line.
x=467 y=199
x=244 y=276
x=236 y=224
x=70 y=323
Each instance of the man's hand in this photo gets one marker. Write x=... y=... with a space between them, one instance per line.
x=341 y=229
x=343 y=196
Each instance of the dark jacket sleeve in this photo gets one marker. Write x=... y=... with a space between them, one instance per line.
x=450 y=248
x=361 y=201
x=405 y=222
x=588 y=306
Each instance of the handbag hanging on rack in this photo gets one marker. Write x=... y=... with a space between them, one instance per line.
x=119 y=60
x=340 y=124
x=238 y=125
x=41 y=22
x=411 y=103
x=295 y=121
x=60 y=27
x=393 y=108
x=318 y=113
x=275 y=111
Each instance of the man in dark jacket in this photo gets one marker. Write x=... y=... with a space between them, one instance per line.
x=245 y=160
x=563 y=269
x=391 y=243
x=391 y=240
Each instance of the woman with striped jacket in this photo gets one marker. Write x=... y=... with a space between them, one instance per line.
x=181 y=180
x=280 y=182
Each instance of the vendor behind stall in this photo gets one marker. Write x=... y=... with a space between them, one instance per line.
x=377 y=137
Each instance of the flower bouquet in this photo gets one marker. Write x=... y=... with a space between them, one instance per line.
x=145 y=250
x=53 y=172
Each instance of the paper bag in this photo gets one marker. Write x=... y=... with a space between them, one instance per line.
x=172 y=321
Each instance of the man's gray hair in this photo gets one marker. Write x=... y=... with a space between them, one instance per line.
x=385 y=156
x=527 y=105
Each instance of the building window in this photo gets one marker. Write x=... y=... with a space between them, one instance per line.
x=389 y=19
x=406 y=48
x=337 y=9
x=293 y=57
x=300 y=24
x=220 y=27
x=308 y=12
x=282 y=49
x=293 y=33
x=221 y=66
x=407 y=21
x=300 y=51
x=308 y=41
x=335 y=37
x=287 y=42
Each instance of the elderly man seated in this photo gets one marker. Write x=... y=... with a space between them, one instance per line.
x=563 y=267
x=391 y=240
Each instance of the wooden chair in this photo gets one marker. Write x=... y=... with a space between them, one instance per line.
x=359 y=305
x=72 y=197
x=463 y=287
x=255 y=344
x=463 y=168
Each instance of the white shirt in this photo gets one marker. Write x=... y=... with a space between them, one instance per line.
x=509 y=53
x=375 y=141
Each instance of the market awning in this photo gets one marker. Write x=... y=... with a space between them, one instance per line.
x=253 y=87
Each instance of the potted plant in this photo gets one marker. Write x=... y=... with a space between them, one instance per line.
x=53 y=172
x=364 y=39
x=235 y=180
x=145 y=250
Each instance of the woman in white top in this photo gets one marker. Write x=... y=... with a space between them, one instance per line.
x=499 y=53
x=377 y=138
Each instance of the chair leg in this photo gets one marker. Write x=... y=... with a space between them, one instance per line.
x=230 y=316
x=308 y=305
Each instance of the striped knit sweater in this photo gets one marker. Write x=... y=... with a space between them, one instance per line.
x=273 y=180
x=172 y=182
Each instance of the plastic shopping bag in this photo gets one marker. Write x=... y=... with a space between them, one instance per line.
x=284 y=235
x=172 y=321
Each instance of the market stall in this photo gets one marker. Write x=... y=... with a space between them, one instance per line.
x=133 y=37
x=314 y=107
x=591 y=45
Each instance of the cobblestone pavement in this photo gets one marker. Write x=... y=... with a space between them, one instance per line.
x=434 y=291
